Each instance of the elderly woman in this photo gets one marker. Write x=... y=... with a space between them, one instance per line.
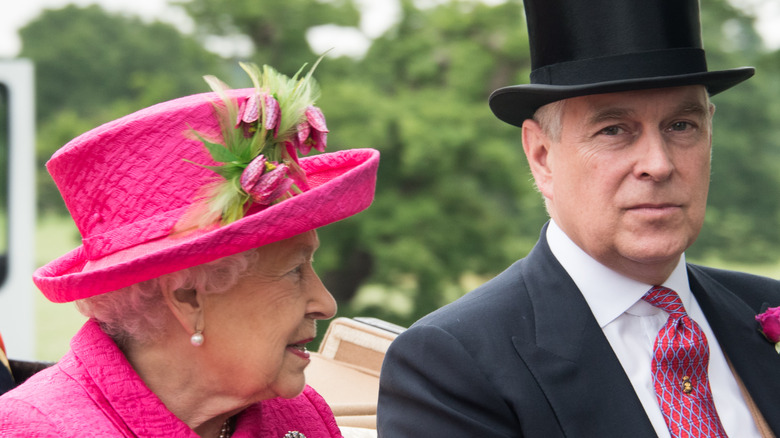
x=198 y=220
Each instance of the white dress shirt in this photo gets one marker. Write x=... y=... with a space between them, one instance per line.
x=631 y=325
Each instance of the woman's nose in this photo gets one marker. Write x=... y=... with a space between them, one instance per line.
x=322 y=305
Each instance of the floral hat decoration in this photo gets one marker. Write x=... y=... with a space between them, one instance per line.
x=198 y=178
x=260 y=142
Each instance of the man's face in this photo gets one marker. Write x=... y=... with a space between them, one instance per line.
x=628 y=179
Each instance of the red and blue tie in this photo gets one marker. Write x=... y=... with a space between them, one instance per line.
x=680 y=360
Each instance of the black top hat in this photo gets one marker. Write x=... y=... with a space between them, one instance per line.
x=581 y=47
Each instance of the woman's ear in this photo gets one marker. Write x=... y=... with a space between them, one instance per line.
x=536 y=145
x=187 y=306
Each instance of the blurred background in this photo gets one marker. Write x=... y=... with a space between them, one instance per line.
x=454 y=203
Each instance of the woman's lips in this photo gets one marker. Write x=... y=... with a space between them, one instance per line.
x=299 y=349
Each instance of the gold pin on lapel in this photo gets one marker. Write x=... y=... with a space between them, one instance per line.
x=687 y=386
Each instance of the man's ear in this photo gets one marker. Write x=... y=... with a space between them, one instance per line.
x=187 y=306
x=536 y=145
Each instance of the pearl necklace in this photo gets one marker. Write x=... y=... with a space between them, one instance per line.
x=225 y=431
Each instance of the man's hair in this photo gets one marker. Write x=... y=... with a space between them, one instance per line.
x=550 y=118
x=139 y=312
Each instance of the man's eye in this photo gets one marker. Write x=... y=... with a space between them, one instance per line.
x=611 y=130
x=680 y=126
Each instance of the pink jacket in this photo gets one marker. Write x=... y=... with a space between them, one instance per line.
x=93 y=391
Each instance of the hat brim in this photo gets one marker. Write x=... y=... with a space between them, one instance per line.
x=515 y=104
x=342 y=184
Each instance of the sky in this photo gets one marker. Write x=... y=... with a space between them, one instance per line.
x=378 y=15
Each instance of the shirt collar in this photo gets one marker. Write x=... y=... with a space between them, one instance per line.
x=608 y=293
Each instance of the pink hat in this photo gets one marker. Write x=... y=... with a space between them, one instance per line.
x=128 y=183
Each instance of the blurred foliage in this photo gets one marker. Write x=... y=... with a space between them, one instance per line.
x=5 y=133
x=93 y=66
x=277 y=28
x=4 y=138
x=454 y=202
x=744 y=213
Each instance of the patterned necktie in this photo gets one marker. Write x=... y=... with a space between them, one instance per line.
x=680 y=360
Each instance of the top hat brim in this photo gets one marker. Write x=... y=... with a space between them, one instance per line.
x=515 y=104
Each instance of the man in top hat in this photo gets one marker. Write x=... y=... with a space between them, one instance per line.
x=603 y=330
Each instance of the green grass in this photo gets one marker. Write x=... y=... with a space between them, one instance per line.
x=55 y=323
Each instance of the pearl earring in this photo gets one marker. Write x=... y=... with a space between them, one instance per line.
x=197 y=339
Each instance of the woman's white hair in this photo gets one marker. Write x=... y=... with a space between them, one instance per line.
x=139 y=312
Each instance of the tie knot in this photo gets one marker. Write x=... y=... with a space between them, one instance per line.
x=665 y=299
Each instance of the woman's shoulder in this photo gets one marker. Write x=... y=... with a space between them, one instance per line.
x=20 y=418
x=58 y=401
x=52 y=388
x=50 y=385
x=35 y=408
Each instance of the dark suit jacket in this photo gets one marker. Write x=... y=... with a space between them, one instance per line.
x=523 y=356
x=6 y=380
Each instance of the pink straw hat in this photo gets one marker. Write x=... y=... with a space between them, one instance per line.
x=128 y=183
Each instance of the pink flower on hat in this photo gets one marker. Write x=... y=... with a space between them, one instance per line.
x=312 y=132
x=249 y=114
x=265 y=181
x=770 y=325
x=276 y=122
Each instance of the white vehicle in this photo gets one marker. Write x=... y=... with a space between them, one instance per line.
x=17 y=207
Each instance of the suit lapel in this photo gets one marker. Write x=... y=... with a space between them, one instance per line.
x=570 y=357
x=752 y=357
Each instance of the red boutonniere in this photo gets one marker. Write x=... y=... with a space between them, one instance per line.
x=770 y=325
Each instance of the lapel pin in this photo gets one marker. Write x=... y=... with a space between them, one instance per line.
x=687 y=386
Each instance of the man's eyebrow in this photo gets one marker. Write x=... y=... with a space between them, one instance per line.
x=691 y=107
x=608 y=114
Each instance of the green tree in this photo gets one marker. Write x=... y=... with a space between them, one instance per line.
x=743 y=212
x=4 y=140
x=277 y=28
x=93 y=66
x=453 y=196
